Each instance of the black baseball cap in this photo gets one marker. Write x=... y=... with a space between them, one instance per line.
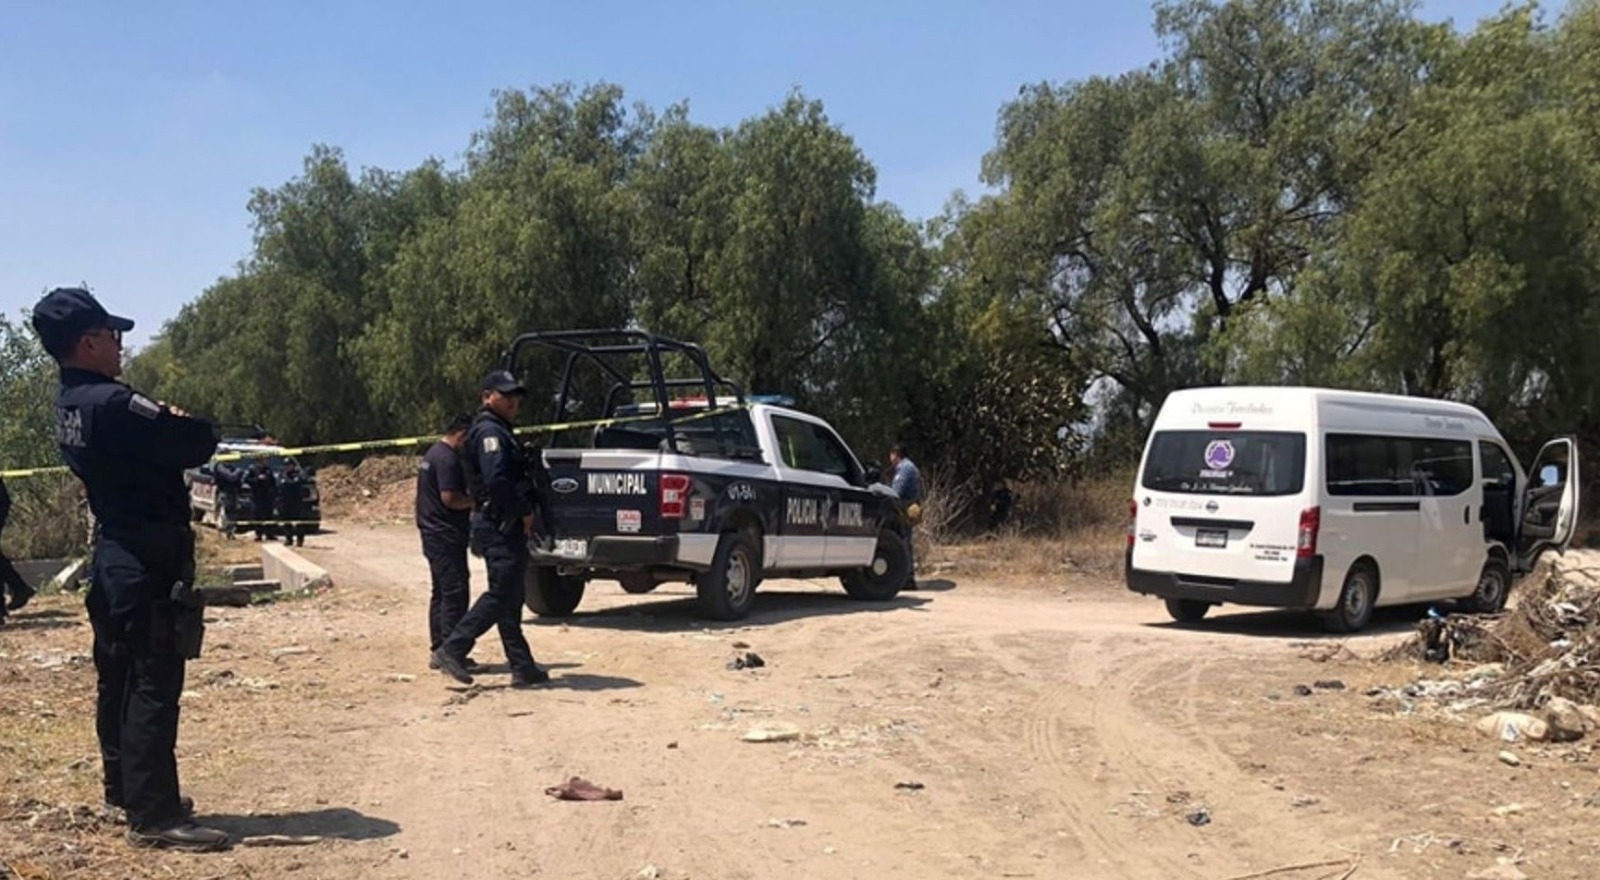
x=66 y=313
x=503 y=382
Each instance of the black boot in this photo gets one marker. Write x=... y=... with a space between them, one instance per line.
x=182 y=835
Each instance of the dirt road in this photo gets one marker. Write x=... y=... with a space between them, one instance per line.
x=1068 y=731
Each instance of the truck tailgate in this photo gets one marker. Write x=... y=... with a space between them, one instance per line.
x=598 y=493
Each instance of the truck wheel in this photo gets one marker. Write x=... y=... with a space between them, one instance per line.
x=1494 y=587
x=1356 y=597
x=549 y=594
x=728 y=589
x=889 y=570
x=1187 y=610
x=637 y=583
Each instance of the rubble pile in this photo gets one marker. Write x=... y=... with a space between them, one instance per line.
x=1547 y=648
x=380 y=488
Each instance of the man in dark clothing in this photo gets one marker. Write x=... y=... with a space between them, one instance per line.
x=10 y=580
x=130 y=452
x=263 y=497
x=502 y=520
x=292 y=503
x=444 y=514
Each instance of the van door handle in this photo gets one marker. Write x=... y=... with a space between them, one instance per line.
x=1466 y=515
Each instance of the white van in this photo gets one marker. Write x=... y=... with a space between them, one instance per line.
x=1338 y=502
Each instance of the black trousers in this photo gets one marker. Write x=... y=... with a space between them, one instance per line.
x=140 y=671
x=447 y=604
x=12 y=582
x=501 y=605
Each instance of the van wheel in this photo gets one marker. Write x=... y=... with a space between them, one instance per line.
x=728 y=588
x=1187 y=610
x=1354 y=610
x=1494 y=587
x=549 y=594
x=883 y=577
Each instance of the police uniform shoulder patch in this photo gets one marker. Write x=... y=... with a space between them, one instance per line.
x=143 y=406
x=491 y=444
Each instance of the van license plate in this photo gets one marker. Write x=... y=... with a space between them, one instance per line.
x=572 y=548
x=1211 y=538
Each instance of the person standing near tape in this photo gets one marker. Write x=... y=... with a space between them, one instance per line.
x=500 y=477
x=10 y=580
x=263 y=497
x=444 y=517
x=130 y=452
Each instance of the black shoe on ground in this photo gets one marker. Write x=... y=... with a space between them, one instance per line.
x=119 y=816
x=471 y=664
x=182 y=835
x=19 y=599
x=452 y=666
x=529 y=678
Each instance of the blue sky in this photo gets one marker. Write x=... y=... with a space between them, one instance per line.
x=131 y=134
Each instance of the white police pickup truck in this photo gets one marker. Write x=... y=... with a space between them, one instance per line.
x=714 y=490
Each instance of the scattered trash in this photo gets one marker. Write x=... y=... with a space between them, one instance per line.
x=747 y=660
x=909 y=786
x=648 y=872
x=771 y=734
x=1509 y=810
x=785 y=823
x=1513 y=727
x=740 y=646
x=1304 y=800
x=1330 y=684
x=281 y=840
x=1565 y=720
x=400 y=677
x=290 y=651
x=579 y=789
x=673 y=744
x=1301 y=690
x=1199 y=817
x=1510 y=759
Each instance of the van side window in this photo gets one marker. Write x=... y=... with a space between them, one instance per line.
x=1443 y=467
x=1497 y=467
x=1398 y=467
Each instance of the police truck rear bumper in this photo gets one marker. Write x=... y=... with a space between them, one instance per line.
x=1302 y=590
x=623 y=553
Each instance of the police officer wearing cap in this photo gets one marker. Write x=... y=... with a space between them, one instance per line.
x=130 y=453
x=500 y=477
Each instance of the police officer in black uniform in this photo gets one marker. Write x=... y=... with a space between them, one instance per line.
x=263 y=497
x=292 y=504
x=500 y=478
x=10 y=580
x=130 y=452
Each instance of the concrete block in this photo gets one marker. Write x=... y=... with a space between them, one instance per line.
x=293 y=571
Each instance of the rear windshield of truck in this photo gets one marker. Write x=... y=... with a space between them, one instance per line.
x=1226 y=462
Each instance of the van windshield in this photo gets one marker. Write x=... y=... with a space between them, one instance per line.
x=1226 y=462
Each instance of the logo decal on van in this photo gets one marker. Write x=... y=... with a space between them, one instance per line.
x=565 y=485
x=1219 y=454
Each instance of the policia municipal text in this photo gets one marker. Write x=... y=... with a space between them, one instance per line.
x=130 y=453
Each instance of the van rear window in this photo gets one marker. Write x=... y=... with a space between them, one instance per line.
x=1226 y=462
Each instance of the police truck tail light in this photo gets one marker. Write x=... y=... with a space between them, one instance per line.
x=1133 y=519
x=1310 y=526
x=674 y=495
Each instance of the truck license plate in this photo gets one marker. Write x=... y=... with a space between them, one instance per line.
x=1211 y=538
x=572 y=548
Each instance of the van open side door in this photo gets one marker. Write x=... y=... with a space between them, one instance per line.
x=1549 y=510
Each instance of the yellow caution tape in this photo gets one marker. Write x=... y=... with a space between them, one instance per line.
x=399 y=442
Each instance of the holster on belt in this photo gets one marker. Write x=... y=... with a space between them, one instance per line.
x=189 y=622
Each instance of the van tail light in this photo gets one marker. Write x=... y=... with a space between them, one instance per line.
x=1133 y=519
x=674 y=495
x=1310 y=526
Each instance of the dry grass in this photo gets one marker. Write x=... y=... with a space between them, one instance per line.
x=1055 y=530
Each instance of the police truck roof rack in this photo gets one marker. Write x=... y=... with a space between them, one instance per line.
x=605 y=348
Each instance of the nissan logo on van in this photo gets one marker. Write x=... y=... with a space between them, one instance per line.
x=1211 y=507
x=565 y=485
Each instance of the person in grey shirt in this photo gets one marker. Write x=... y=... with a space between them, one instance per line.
x=906 y=481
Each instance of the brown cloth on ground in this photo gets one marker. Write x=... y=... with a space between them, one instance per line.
x=579 y=789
